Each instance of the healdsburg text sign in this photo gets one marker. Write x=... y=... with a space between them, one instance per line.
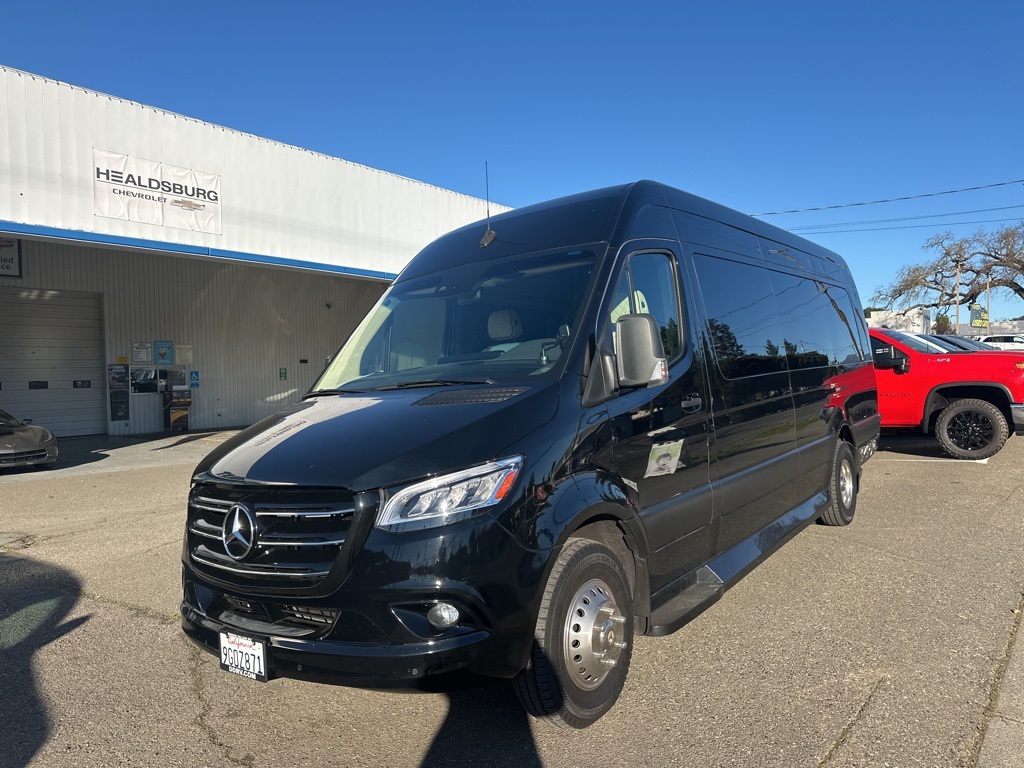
x=134 y=189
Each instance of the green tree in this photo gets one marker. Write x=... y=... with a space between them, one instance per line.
x=943 y=325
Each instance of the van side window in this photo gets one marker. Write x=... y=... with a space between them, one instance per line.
x=648 y=286
x=817 y=322
x=743 y=321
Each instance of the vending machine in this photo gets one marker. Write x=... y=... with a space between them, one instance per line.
x=176 y=406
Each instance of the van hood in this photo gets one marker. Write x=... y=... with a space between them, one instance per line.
x=379 y=439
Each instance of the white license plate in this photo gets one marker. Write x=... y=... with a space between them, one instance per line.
x=243 y=656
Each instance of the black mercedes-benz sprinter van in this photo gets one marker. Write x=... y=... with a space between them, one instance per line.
x=578 y=421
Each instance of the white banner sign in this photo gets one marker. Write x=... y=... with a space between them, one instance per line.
x=10 y=258
x=133 y=189
x=142 y=352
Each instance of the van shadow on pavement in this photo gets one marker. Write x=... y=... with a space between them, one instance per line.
x=483 y=707
x=35 y=598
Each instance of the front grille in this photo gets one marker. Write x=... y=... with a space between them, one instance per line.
x=297 y=538
x=316 y=617
x=19 y=456
x=289 y=620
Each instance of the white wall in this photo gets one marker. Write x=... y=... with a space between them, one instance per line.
x=244 y=323
x=276 y=200
x=914 y=321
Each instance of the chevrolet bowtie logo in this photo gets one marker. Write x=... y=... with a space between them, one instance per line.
x=188 y=205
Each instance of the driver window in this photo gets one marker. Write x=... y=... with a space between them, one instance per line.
x=647 y=286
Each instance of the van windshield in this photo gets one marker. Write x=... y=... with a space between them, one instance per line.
x=490 y=322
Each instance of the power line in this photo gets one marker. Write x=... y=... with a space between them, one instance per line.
x=893 y=199
x=808 y=227
x=913 y=226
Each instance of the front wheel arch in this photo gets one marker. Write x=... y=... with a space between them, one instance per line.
x=583 y=641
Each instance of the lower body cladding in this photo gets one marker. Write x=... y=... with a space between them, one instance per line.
x=398 y=617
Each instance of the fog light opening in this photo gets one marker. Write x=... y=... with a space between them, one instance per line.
x=442 y=615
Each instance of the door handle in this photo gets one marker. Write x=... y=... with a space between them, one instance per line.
x=692 y=403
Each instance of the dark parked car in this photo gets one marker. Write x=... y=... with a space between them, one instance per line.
x=22 y=444
x=966 y=343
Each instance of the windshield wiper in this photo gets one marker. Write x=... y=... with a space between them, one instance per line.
x=316 y=392
x=433 y=383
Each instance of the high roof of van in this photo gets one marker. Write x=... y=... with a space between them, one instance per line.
x=610 y=216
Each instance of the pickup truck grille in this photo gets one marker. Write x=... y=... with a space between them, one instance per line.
x=282 y=538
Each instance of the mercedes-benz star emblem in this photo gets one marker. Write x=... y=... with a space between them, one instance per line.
x=239 y=532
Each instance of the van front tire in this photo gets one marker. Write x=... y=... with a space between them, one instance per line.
x=584 y=638
x=843 y=488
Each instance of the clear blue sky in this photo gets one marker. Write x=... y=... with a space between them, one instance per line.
x=763 y=106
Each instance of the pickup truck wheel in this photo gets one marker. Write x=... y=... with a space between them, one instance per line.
x=971 y=429
x=843 y=488
x=583 y=641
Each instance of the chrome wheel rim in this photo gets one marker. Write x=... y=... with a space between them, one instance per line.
x=594 y=635
x=846 y=484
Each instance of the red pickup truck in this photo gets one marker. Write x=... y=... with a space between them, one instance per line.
x=970 y=400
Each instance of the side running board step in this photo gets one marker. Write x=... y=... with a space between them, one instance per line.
x=693 y=600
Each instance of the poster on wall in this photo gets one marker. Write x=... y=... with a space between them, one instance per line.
x=183 y=354
x=163 y=350
x=142 y=352
x=117 y=383
x=151 y=192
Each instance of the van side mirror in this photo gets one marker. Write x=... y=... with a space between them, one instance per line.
x=891 y=359
x=640 y=356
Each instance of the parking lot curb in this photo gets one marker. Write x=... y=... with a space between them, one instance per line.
x=1003 y=742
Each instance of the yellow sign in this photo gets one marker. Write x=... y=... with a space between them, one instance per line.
x=122 y=360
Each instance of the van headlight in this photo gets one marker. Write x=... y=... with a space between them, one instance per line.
x=448 y=498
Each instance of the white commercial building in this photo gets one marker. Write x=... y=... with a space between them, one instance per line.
x=142 y=252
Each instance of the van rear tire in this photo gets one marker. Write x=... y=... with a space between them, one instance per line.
x=583 y=641
x=843 y=488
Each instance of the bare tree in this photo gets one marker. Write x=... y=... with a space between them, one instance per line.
x=997 y=256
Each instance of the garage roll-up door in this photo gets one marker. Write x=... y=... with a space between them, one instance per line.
x=51 y=359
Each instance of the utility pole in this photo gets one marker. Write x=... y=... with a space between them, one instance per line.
x=957 y=329
x=988 y=305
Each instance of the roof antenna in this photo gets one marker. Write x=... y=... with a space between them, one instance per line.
x=490 y=234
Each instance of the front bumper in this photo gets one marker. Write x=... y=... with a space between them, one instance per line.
x=368 y=626
x=339 y=663
x=1017 y=411
x=38 y=457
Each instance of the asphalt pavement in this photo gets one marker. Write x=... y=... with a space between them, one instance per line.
x=892 y=642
